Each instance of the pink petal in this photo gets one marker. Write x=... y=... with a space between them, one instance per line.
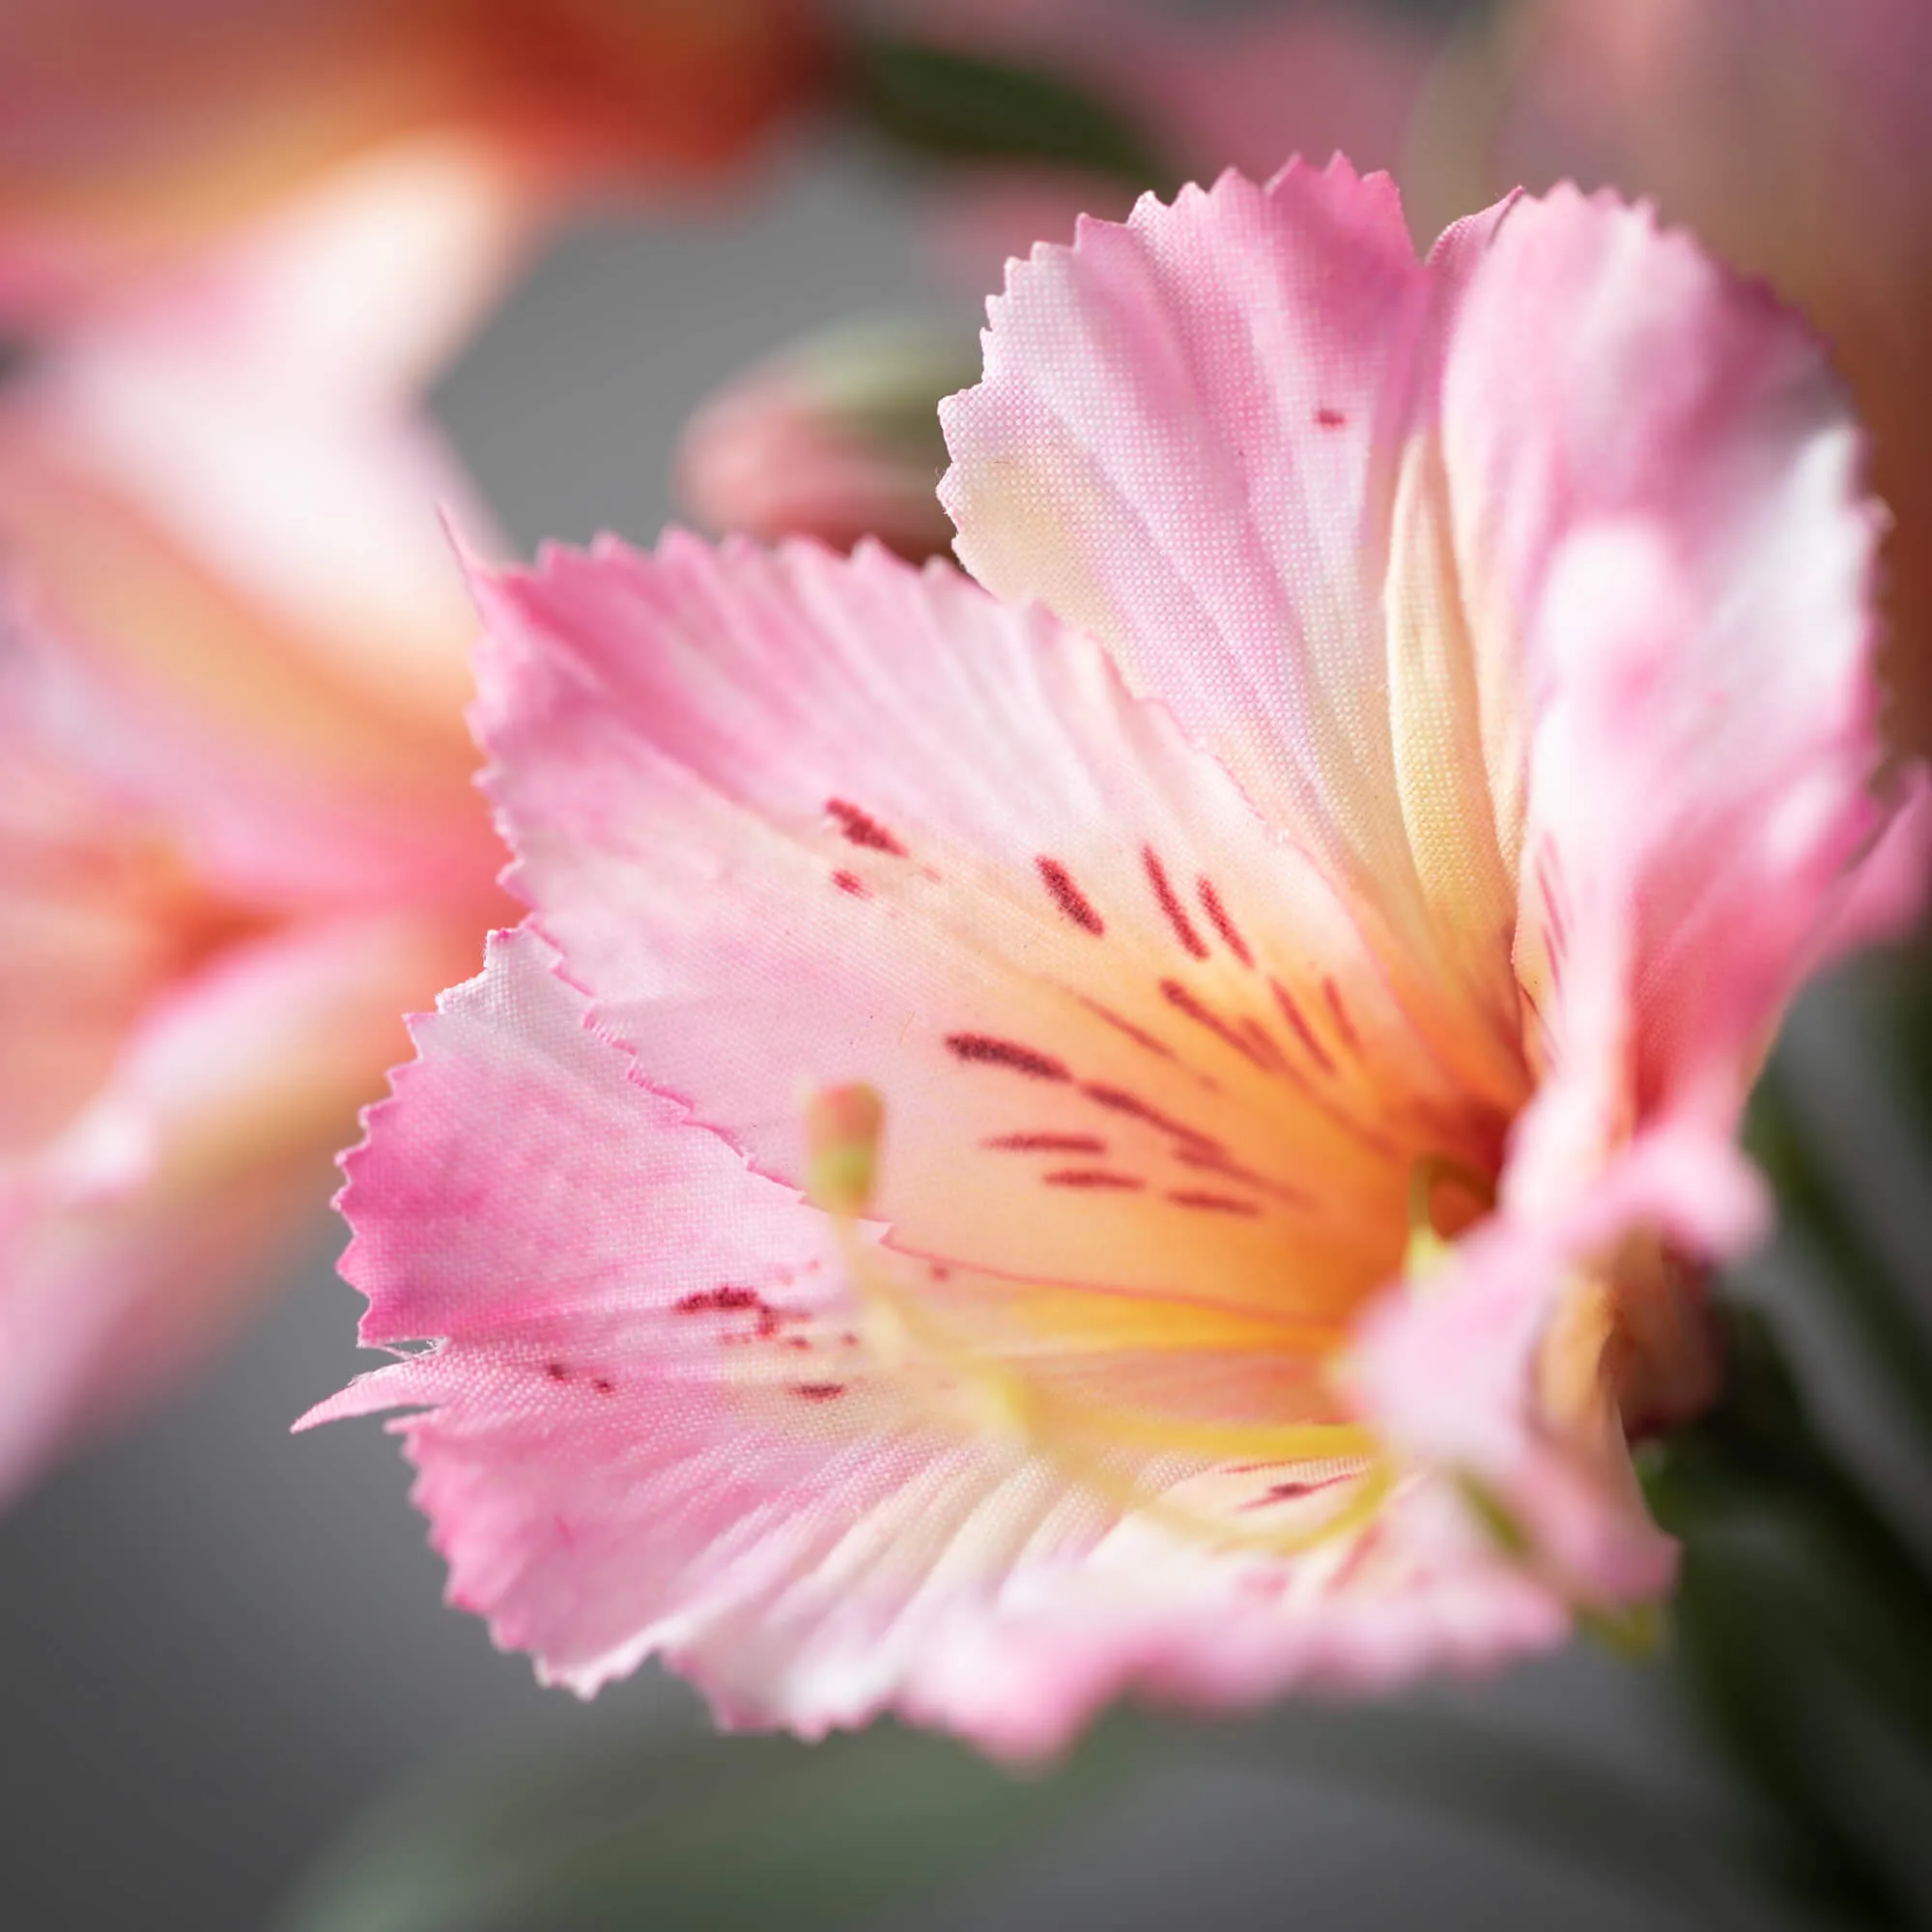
x=1654 y=489
x=1188 y=441
x=797 y=823
x=623 y=1450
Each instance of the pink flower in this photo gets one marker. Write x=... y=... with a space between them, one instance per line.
x=131 y=133
x=1796 y=139
x=237 y=833
x=1310 y=1002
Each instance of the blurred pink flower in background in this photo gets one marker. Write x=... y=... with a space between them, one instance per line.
x=1311 y=1001
x=131 y=131
x=237 y=833
x=1796 y=139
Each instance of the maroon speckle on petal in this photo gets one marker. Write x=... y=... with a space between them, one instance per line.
x=862 y=829
x=1045 y=1144
x=603 y=1385
x=1093 y=1177
x=725 y=1300
x=1291 y=1491
x=1330 y=418
x=818 y=1391
x=991 y=1052
x=851 y=882
x=1069 y=896
x=557 y=1372
x=1230 y=938
x=1177 y=913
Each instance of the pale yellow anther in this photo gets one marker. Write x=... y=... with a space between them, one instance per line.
x=842 y=1125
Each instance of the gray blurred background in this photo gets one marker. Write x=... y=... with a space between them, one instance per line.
x=219 y=1644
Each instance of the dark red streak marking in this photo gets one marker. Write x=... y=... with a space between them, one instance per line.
x=1182 y=1001
x=1263 y=1043
x=1069 y=896
x=603 y=1385
x=991 y=1052
x=1214 y=1203
x=1347 y=1025
x=851 y=882
x=862 y=829
x=1045 y=1144
x=1176 y=912
x=1092 y=1176
x=818 y=1391
x=1303 y=1032
x=1120 y=1101
x=557 y=1372
x=1210 y=901
x=1559 y=940
x=1232 y=1169
x=1287 y=1493
x=1330 y=418
x=723 y=1300
x=1127 y=1027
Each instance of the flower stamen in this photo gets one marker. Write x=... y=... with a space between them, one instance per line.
x=842 y=1130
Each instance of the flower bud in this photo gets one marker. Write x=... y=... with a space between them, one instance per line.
x=836 y=437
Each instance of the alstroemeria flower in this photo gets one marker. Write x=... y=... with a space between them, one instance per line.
x=131 y=133
x=1796 y=139
x=1307 y=1005
x=238 y=832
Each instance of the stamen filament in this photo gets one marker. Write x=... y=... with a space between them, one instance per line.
x=842 y=1129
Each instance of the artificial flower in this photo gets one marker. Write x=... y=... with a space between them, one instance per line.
x=1151 y=1122
x=1797 y=139
x=238 y=833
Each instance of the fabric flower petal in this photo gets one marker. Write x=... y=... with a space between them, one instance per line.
x=646 y=1428
x=1190 y=441
x=797 y=822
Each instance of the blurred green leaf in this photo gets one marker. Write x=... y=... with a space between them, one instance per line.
x=1751 y=1672
x=730 y=1835
x=956 y=107
x=1879 y=1309
x=742 y=1833
x=1794 y=1590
